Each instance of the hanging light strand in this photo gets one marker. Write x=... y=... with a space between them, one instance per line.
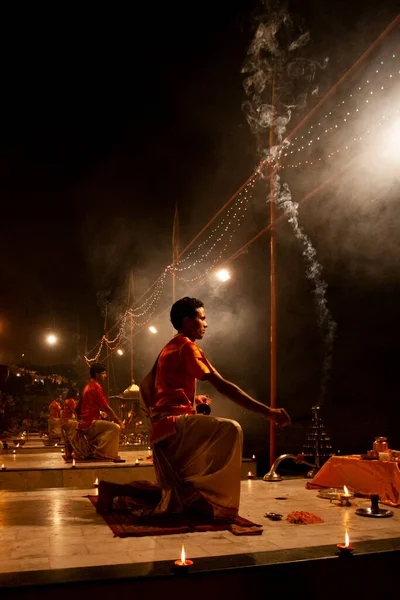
x=320 y=129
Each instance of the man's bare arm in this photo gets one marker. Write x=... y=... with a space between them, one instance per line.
x=109 y=411
x=237 y=395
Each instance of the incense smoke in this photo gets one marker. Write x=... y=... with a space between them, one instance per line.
x=272 y=83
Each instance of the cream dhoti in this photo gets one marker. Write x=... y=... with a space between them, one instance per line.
x=200 y=462
x=98 y=441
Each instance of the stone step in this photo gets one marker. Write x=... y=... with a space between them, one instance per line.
x=32 y=471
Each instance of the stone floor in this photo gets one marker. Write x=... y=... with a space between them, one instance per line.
x=59 y=528
x=52 y=459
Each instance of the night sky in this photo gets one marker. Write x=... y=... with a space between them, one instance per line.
x=109 y=118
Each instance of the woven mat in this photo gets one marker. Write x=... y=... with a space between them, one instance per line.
x=123 y=523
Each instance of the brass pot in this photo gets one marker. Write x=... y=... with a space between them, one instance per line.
x=380 y=445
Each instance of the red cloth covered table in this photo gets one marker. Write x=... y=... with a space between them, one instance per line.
x=363 y=476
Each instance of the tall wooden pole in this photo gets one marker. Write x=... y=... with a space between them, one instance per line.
x=272 y=327
x=130 y=305
x=175 y=248
x=108 y=354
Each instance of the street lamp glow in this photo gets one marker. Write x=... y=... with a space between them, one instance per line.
x=120 y=351
x=392 y=141
x=223 y=275
x=51 y=339
x=152 y=329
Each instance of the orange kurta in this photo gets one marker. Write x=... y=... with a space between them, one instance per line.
x=180 y=363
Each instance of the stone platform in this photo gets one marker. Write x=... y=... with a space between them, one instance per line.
x=54 y=544
x=32 y=469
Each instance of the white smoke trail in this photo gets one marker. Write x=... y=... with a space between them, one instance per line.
x=283 y=199
x=271 y=66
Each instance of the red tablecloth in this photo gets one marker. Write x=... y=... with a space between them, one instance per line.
x=363 y=476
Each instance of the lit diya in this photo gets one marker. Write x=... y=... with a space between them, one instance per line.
x=182 y=565
x=73 y=464
x=345 y=549
x=344 y=498
x=250 y=475
x=96 y=483
x=3 y=468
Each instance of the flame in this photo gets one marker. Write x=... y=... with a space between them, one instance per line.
x=73 y=462
x=2 y=466
x=183 y=555
x=254 y=456
x=347 y=540
x=346 y=491
x=249 y=474
x=97 y=481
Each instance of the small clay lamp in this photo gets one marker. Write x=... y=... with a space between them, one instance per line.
x=345 y=550
x=182 y=565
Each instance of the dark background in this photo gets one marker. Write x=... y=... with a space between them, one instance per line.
x=110 y=117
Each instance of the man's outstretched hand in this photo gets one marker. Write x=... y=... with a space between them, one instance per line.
x=280 y=417
x=203 y=399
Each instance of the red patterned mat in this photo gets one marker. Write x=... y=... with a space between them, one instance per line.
x=123 y=523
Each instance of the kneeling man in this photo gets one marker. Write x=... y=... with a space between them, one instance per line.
x=197 y=458
x=91 y=437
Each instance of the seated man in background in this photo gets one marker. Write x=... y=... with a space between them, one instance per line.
x=54 y=417
x=69 y=409
x=92 y=438
x=197 y=458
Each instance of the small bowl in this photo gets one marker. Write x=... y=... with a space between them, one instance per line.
x=273 y=516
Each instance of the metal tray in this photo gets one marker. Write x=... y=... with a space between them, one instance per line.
x=332 y=493
x=367 y=512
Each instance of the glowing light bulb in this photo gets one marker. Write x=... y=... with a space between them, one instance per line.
x=391 y=141
x=120 y=351
x=152 y=329
x=223 y=275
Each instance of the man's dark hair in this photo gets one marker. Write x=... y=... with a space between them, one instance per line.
x=96 y=368
x=185 y=307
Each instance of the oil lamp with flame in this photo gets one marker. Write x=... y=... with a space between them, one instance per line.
x=3 y=467
x=250 y=475
x=345 y=549
x=182 y=565
x=73 y=464
x=345 y=497
x=96 y=482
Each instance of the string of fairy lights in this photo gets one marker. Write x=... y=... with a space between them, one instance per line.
x=321 y=134
x=232 y=221
x=242 y=198
x=358 y=138
x=355 y=104
x=232 y=225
